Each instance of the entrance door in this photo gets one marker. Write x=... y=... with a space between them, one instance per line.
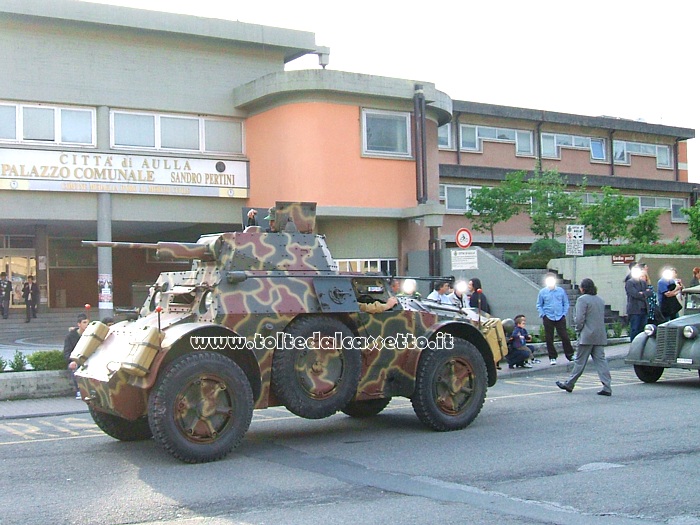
x=18 y=268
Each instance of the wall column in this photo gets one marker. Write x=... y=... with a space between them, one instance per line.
x=41 y=250
x=105 y=281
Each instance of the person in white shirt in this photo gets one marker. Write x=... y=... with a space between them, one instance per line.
x=439 y=293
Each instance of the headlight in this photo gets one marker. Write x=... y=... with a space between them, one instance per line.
x=689 y=332
x=650 y=329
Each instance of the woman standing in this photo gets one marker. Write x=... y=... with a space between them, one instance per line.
x=592 y=338
x=476 y=297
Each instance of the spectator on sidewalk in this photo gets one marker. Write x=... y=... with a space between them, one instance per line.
x=592 y=338
x=69 y=344
x=30 y=293
x=519 y=352
x=5 y=294
x=637 y=291
x=553 y=305
x=477 y=299
x=668 y=290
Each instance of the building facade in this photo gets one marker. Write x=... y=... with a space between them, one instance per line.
x=120 y=124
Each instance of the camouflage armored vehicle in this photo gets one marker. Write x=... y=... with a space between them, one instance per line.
x=265 y=319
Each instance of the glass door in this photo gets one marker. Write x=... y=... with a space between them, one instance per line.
x=18 y=268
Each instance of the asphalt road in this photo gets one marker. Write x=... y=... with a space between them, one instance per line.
x=534 y=455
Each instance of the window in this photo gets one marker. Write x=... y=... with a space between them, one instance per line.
x=47 y=124
x=591 y=198
x=38 y=124
x=386 y=133
x=8 y=122
x=134 y=130
x=623 y=152
x=674 y=205
x=469 y=138
x=176 y=132
x=385 y=266
x=457 y=197
x=676 y=214
x=225 y=136
x=553 y=142
x=445 y=136
x=179 y=133
x=473 y=137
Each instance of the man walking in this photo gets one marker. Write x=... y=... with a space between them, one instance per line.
x=30 y=293
x=553 y=305
x=590 y=325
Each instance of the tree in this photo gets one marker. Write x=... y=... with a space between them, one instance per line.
x=489 y=206
x=645 y=227
x=552 y=206
x=609 y=218
x=693 y=215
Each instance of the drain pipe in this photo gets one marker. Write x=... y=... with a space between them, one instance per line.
x=419 y=142
x=611 y=149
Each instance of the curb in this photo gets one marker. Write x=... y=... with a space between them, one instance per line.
x=35 y=384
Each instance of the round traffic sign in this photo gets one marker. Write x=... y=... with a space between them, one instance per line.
x=464 y=238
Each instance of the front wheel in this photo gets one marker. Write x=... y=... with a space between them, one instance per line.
x=450 y=386
x=120 y=428
x=648 y=374
x=201 y=407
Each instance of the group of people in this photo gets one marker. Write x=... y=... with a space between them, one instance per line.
x=473 y=296
x=589 y=323
x=644 y=305
x=30 y=294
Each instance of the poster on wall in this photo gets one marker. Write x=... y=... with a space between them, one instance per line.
x=104 y=285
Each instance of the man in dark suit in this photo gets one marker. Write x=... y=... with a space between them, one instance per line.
x=30 y=292
x=5 y=294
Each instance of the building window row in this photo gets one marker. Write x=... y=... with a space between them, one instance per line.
x=175 y=132
x=553 y=142
x=472 y=137
x=39 y=124
x=25 y=123
x=386 y=266
x=456 y=199
x=623 y=150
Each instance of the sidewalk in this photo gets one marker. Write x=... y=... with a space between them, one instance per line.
x=59 y=406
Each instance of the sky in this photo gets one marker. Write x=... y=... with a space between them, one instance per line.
x=629 y=59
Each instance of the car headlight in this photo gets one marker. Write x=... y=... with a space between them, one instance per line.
x=689 y=332
x=650 y=329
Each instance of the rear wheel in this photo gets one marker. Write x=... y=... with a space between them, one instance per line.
x=368 y=408
x=648 y=374
x=450 y=386
x=316 y=379
x=200 y=407
x=120 y=428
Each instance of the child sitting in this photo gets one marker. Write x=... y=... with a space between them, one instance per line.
x=522 y=352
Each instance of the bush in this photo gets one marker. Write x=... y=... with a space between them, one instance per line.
x=47 y=360
x=18 y=362
x=3 y=364
x=531 y=261
x=550 y=247
x=675 y=247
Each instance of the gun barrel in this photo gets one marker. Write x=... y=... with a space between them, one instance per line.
x=171 y=250
x=110 y=244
